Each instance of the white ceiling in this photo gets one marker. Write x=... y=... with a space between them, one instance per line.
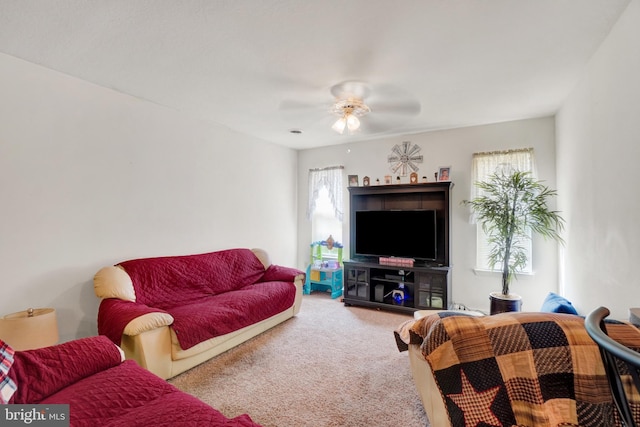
x=245 y=63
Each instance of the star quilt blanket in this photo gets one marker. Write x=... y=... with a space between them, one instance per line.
x=519 y=369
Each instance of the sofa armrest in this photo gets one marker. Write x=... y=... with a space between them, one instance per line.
x=277 y=273
x=113 y=282
x=41 y=372
x=433 y=402
x=263 y=256
x=148 y=322
x=151 y=350
x=117 y=317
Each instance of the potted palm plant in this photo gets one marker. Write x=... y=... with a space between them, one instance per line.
x=511 y=205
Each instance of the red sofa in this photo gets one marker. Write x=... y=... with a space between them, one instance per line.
x=172 y=313
x=89 y=375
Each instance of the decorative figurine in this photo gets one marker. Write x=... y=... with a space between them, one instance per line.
x=330 y=242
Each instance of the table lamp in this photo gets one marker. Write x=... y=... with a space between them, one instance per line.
x=29 y=329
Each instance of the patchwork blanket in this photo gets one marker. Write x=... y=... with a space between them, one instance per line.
x=519 y=369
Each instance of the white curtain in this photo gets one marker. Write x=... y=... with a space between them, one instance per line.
x=331 y=178
x=488 y=163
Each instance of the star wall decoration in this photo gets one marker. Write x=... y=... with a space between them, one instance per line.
x=404 y=157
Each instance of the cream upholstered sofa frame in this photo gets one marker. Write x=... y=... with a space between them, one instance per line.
x=150 y=341
x=427 y=388
x=424 y=380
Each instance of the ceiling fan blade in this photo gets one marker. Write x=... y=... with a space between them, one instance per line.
x=379 y=123
x=351 y=89
x=390 y=99
x=406 y=108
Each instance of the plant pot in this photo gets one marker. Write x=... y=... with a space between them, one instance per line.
x=501 y=303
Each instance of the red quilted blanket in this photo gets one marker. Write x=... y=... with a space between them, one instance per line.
x=208 y=295
x=129 y=396
x=172 y=281
x=88 y=375
x=115 y=314
x=220 y=314
x=41 y=372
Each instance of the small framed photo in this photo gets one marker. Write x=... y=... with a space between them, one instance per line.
x=365 y=181
x=387 y=180
x=353 y=180
x=413 y=178
x=444 y=173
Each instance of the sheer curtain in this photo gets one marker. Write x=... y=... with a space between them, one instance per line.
x=488 y=163
x=331 y=179
x=483 y=166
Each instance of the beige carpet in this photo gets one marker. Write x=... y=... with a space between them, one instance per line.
x=330 y=365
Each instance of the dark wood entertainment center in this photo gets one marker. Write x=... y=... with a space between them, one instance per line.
x=425 y=285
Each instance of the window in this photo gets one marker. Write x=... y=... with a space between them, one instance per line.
x=325 y=208
x=323 y=221
x=484 y=165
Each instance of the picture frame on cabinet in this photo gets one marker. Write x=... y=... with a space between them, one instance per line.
x=444 y=173
x=365 y=181
x=387 y=180
x=353 y=181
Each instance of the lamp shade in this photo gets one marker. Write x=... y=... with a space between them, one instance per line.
x=353 y=123
x=348 y=121
x=29 y=329
x=340 y=125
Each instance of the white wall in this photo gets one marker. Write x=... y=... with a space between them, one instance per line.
x=90 y=177
x=598 y=151
x=450 y=148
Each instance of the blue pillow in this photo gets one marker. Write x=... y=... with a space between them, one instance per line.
x=554 y=303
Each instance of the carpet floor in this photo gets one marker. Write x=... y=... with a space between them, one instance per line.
x=330 y=365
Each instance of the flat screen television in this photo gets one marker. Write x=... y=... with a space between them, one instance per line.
x=399 y=233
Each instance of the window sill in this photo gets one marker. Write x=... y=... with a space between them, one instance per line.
x=487 y=273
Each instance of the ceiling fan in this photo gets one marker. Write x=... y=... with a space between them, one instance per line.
x=357 y=107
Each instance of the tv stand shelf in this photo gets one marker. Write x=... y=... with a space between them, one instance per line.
x=371 y=284
x=425 y=285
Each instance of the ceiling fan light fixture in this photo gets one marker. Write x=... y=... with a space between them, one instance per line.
x=353 y=123
x=349 y=110
x=340 y=125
